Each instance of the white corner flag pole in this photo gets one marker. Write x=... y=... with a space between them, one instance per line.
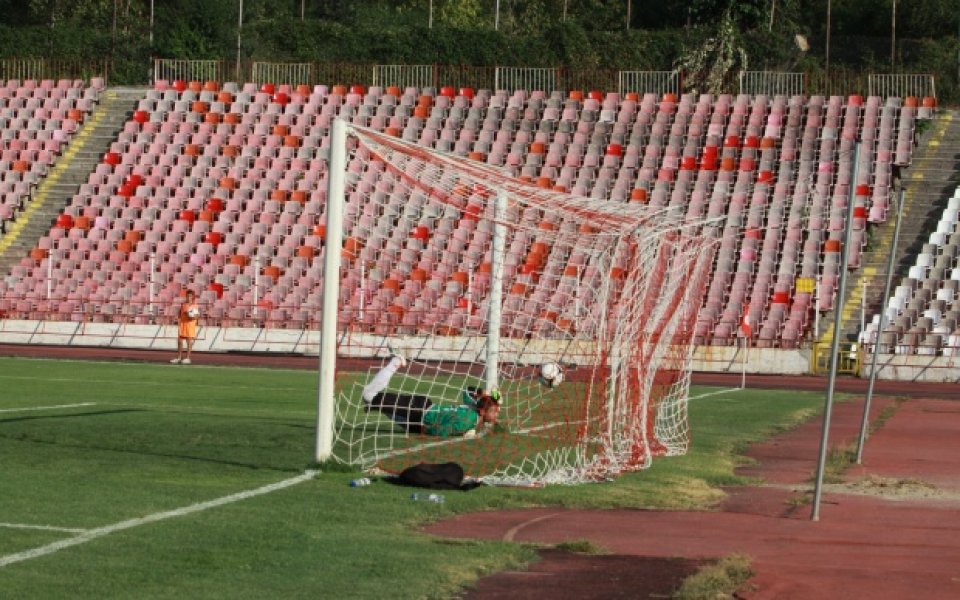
x=491 y=377
x=835 y=346
x=331 y=290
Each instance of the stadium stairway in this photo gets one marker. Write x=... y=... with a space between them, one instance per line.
x=928 y=184
x=72 y=169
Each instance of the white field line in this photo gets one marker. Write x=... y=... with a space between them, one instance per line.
x=418 y=447
x=92 y=534
x=549 y=426
x=139 y=383
x=5 y=410
x=42 y=527
x=716 y=393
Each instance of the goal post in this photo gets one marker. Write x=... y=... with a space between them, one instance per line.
x=331 y=290
x=479 y=279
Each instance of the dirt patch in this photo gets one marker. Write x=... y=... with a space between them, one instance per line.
x=564 y=575
x=890 y=488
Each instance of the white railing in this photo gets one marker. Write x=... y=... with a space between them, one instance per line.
x=772 y=83
x=289 y=73
x=903 y=85
x=172 y=69
x=653 y=82
x=403 y=76
x=525 y=78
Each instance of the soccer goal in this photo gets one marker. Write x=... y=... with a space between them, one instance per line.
x=481 y=280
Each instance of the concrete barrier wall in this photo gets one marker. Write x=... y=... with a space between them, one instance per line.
x=712 y=359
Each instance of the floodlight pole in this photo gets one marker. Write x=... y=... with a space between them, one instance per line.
x=835 y=345
x=331 y=290
x=882 y=325
x=827 y=52
x=491 y=377
x=239 y=28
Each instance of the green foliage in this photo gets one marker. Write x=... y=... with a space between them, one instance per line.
x=713 y=65
x=581 y=547
x=717 y=582
x=586 y=35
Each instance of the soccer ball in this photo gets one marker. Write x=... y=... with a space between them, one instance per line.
x=551 y=374
x=193 y=313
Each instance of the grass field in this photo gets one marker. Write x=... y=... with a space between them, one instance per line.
x=151 y=481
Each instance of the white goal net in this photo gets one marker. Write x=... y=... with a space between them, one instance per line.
x=478 y=280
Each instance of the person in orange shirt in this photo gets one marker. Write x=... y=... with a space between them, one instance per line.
x=188 y=319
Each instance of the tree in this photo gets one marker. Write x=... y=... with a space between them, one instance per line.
x=711 y=67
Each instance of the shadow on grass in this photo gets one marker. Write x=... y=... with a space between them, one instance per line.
x=96 y=413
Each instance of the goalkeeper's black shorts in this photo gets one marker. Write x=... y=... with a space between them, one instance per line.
x=406 y=410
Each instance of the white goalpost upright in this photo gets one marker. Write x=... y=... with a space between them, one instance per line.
x=492 y=368
x=331 y=291
x=479 y=279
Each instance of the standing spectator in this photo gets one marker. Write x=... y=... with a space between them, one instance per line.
x=187 y=319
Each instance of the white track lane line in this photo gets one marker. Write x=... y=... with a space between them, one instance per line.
x=42 y=527
x=92 y=534
x=5 y=410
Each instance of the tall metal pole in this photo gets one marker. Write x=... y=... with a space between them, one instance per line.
x=883 y=318
x=496 y=17
x=827 y=52
x=835 y=346
x=239 y=28
x=893 y=34
x=151 y=24
x=430 y=18
x=326 y=408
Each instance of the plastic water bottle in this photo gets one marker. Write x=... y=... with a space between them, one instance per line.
x=363 y=481
x=435 y=498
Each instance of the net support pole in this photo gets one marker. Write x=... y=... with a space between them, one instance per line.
x=50 y=274
x=256 y=287
x=743 y=365
x=331 y=290
x=153 y=282
x=835 y=345
x=876 y=344
x=363 y=292
x=491 y=377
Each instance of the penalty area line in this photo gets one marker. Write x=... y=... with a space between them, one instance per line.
x=26 y=408
x=42 y=527
x=92 y=534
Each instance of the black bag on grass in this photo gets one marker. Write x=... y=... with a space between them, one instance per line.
x=443 y=476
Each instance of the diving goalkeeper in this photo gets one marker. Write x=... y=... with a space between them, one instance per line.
x=419 y=414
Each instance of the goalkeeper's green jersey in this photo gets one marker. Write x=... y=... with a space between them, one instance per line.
x=449 y=421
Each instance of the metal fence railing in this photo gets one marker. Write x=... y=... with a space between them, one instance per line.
x=772 y=83
x=290 y=73
x=837 y=82
x=171 y=69
x=657 y=82
x=403 y=76
x=525 y=78
x=902 y=85
x=52 y=68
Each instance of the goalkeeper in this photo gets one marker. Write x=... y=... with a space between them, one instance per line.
x=419 y=414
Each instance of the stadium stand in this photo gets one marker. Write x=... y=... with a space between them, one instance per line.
x=37 y=120
x=922 y=315
x=223 y=188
